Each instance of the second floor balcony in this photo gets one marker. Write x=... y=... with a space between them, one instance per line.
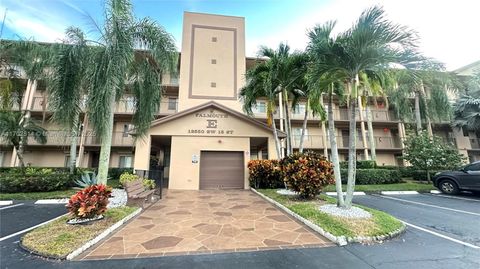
x=124 y=106
x=318 y=141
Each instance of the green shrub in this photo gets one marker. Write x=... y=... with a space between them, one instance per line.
x=115 y=173
x=129 y=177
x=365 y=164
x=407 y=171
x=373 y=176
x=265 y=174
x=34 y=181
x=307 y=173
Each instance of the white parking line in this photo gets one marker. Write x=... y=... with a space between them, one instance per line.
x=398 y=192
x=31 y=228
x=441 y=235
x=332 y=193
x=7 y=207
x=455 y=197
x=435 y=206
x=51 y=201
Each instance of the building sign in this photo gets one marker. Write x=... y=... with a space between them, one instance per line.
x=211 y=124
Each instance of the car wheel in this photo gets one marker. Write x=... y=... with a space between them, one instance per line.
x=447 y=186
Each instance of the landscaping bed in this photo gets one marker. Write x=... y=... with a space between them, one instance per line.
x=379 y=227
x=405 y=186
x=58 y=239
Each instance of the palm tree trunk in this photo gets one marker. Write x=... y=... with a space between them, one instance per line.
x=362 y=129
x=288 y=126
x=334 y=151
x=373 y=151
x=106 y=145
x=82 y=140
x=275 y=135
x=282 y=121
x=418 y=117
x=73 y=145
x=352 y=150
x=304 y=127
x=19 y=153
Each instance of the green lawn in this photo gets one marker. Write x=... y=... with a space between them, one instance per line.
x=59 y=239
x=407 y=186
x=380 y=223
x=49 y=194
x=37 y=195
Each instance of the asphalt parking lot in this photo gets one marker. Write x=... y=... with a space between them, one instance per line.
x=443 y=232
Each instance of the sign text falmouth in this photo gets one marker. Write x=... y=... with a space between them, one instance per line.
x=212 y=125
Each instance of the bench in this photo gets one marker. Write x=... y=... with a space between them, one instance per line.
x=137 y=195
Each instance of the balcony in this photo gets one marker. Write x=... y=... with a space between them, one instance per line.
x=124 y=106
x=475 y=143
x=316 y=141
x=338 y=115
x=63 y=138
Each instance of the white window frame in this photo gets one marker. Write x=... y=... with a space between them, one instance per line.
x=124 y=157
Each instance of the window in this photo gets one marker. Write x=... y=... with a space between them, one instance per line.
x=213 y=84
x=261 y=107
x=473 y=167
x=172 y=104
x=214 y=39
x=264 y=154
x=126 y=129
x=129 y=104
x=214 y=61
x=299 y=109
x=125 y=162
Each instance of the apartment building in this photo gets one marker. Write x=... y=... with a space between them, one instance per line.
x=201 y=138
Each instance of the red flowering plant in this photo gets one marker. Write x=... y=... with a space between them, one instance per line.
x=307 y=173
x=89 y=202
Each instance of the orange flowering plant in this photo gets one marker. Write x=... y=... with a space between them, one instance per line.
x=89 y=202
x=307 y=173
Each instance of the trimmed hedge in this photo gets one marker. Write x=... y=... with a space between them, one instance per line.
x=115 y=173
x=265 y=174
x=421 y=175
x=366 y=164
x=37 y=180
x=373 y=176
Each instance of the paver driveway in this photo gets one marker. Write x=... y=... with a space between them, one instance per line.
x=193 y=222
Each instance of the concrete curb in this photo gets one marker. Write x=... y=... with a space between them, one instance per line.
x=8 y=202
x=398 y=192
x=101 y=236
x=435 y=192
x=52 y=201
x=339 y=240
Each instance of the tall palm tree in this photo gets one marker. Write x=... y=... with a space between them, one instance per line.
x=287 y=67
x=319 y=47
x=425 y=108
x=116 y=66
x=466 y=109
x=66 y=84
x=17 y=134
x=372 y=44
x=259 y=86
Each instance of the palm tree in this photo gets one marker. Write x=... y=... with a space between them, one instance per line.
x=372 y=44
x=16 y=134
x=259 y=86
x=466 y=109
x=414 y=83
x=116 y=65
x=66 y=84
x=286 y=68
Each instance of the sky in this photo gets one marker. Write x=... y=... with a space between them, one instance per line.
x=448 y=30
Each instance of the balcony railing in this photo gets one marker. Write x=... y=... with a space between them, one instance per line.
x=316 y=141
x=63 y=138
x=339 y=114
x=124 y=106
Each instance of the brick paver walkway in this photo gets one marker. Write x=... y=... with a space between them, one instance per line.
x=194 y=222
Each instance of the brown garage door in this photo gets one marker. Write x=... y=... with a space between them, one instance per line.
x=221 y=170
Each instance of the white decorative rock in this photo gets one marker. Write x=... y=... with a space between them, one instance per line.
x=286 y=192
x=352 y=213
x=119 y=198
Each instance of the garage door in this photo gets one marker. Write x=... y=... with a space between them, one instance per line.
x=221 y=170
